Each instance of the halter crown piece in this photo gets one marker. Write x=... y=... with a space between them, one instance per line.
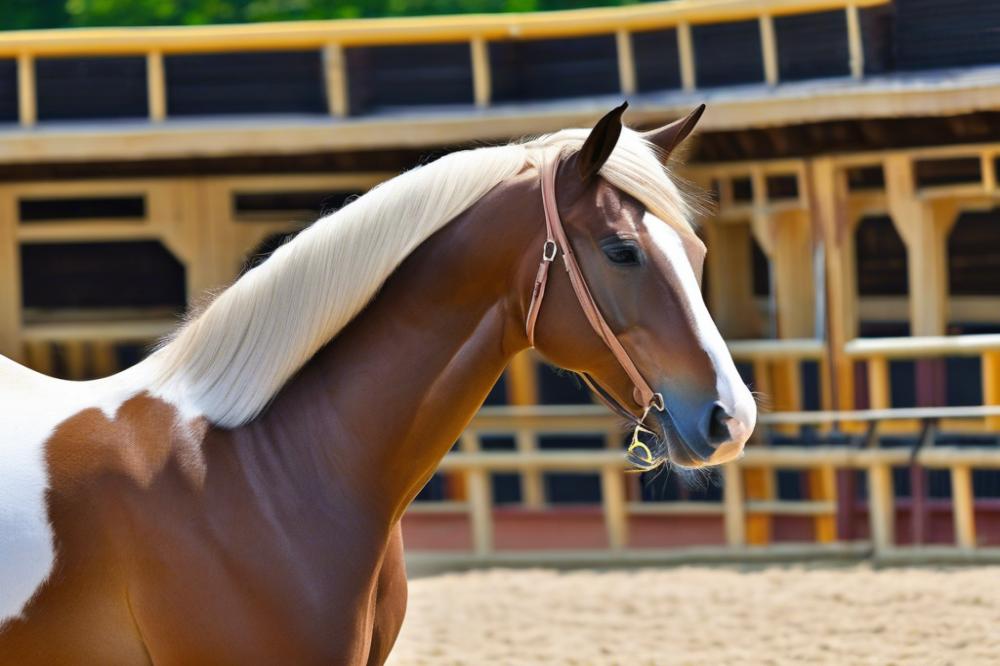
x=556 y=242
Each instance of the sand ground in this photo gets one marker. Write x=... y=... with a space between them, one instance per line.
x=702 y=615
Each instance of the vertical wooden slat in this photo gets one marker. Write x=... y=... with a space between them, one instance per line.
x=963 y=506
x=10 y=279
x=75 y=355
x=626 y=62
x=769 y=49
x=614 y=506
x=988 y=172
x=685 y=54
x=27 y=101
x=733 y=505
x=335 y=70
x=103 y=359
x=855 y=49
x=759 y=484
x=156 y=87
x=39 y=357
x=482 y=81
x=991 y=385
x=480 y=499
x=823 y=488
x=522 y=389
x=881 y=507
x=879 y=390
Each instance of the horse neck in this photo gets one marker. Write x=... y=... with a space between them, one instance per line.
x=382 y=403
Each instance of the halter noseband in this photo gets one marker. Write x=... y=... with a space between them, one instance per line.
x=556 y=242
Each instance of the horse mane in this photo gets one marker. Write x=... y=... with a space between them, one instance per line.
x=228 y=362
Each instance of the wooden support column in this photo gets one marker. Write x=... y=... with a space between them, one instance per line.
x=734 y=506
x=991 y=385
x=881 y=507
x=963 y=506
x=477 y=480
x=769 y=49
x=927 y=251
x=879 y=396
x=482 y=82
x=522 y=389
x=614 y=505
x=335 y=75
x=156 y=87
x=855 y=47
x=685 y=55
x=27 y=100
x=730 y=283
x=626 y=62
x=10 y=279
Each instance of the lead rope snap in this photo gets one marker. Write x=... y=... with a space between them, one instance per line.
x=645 y=457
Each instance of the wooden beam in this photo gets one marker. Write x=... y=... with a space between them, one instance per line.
x=991 y=385
x=27 y=99
x=963 y=507
x=855 y=47
x=156 y=87
x=879 y=390
x=522 y=389
x=735 y=508
x=626 y=62
x=685 y=55
x=477 y=482
x=482 y=81
x=335 y=76
x=10 y=278
x=613 y=503
x=881 y=507
x=769 y=49
x=730 y=285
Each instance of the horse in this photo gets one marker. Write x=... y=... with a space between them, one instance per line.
x=236 y=496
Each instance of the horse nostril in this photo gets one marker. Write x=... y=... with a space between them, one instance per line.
x=717 y=427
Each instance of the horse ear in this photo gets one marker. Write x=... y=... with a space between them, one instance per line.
x=670 y=136
x=599 y=144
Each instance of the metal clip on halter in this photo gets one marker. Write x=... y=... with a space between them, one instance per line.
x=549 y=251
x=646 y=457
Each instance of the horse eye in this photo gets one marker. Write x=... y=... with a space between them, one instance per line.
x=624 y=254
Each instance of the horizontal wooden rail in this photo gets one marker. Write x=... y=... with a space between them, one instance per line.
x=315 y=34
x=923 y=346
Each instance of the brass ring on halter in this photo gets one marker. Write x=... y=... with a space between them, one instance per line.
x=638 y=444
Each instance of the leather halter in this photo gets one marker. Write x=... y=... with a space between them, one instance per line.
x=556 y=242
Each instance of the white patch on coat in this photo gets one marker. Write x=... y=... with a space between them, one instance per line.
x=733 y=393
x=31 y=408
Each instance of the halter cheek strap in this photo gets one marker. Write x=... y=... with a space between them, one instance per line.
x=556 y=242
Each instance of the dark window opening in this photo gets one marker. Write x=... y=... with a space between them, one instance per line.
x=314 y=203
x=242 y=83
x=761 y=269
x=742 y=189
x=812 y=46
x=947 y=172
x=139 y=274
x=881 y=258
x=546 y=69
x=657 y=64
x=974 y=254
x=81 y=208
x=8 y=91
x=95 y=87
x=728 y=54
x=422 y=74
x=783 y=187
x=865 y=178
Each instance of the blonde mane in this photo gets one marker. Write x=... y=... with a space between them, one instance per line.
x=229 y=362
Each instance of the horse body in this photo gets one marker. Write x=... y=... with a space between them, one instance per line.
x=175 y=522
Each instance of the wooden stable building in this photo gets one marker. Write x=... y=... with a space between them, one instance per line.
x=851 y=151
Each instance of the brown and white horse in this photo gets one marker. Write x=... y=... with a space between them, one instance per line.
x=236 y=497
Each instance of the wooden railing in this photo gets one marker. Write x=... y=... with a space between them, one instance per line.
x=735 y=508
x=333 y=37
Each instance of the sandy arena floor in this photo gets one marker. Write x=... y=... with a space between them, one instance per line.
x=779 y=615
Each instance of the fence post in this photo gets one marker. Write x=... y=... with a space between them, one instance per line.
x=963 y=506
x=732 y=502
x=881 y=507
x=480 y=501
x=991 y=386
x=615 y=508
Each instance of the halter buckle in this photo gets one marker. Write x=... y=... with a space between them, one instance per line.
x=549 y=251
x=657 y=402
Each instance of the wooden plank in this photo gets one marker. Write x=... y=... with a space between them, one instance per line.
x=626 y=62
x=733 y=503
x=879 y=391
x=39 y=357
x=480 y=500
x=10 y=279
x=156 y=87
x=732 y=302
x=963 y=507
x=614 y=507
x=27 y=100
x=823 y=489
x=482 y=80
x=335 y=77
x=855 y=47
x=75 y=356
x=685 y=55
x=881 y=507
x=769 y=49
x=991 y=385
x=103 y=359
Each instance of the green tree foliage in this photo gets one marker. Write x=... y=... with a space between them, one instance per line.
x=28 y=14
